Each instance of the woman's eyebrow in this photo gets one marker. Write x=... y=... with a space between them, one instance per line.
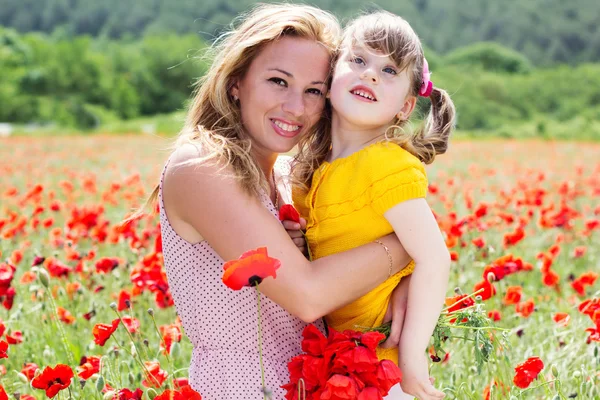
x=288 y=74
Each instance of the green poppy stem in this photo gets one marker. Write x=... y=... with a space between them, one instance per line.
x=262 y=370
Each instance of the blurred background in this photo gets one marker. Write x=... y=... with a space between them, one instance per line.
x=515 y=68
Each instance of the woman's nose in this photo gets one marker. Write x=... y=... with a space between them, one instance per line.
x=294 y=105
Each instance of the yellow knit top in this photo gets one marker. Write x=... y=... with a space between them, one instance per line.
x=344 y=209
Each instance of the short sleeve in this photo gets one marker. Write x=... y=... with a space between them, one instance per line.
x=405 y=179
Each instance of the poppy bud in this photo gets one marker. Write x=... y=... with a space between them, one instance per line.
x=554 y=371
x=113 y=305
x=131 y=378
x=44 y=277
x=576 y=374
x=151 y=393
x=109 y=395
x=175 y=350
x=22 y=377
x=151 y=312
x=100 y=384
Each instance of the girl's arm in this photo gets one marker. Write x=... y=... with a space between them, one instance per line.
x=213 y=203
x=418 y=231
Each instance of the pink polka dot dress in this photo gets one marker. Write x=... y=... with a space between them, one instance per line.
x=222 y=323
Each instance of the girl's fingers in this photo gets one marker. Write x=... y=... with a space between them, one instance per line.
x=291 y=225
x=302 y=223
x=296 y=234
x=299 y=242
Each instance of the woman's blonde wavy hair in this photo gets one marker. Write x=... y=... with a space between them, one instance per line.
x=214 y=121
x=391 y=35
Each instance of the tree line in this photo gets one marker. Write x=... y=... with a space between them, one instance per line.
x=548 y=31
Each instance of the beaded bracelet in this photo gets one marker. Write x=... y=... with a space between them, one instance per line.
x=388 y=254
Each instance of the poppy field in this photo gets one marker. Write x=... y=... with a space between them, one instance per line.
x=86 y=311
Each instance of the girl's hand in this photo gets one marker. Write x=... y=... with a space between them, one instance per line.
x=395 y=312
x=294 y=229
x=415 y=378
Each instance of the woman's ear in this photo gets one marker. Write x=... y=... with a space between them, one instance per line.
x=407 y=108
x=234 y=91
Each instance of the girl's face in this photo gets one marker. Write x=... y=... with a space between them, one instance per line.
x=282 y=95
x=368 y=90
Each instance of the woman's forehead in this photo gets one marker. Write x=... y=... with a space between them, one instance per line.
x=302 y=58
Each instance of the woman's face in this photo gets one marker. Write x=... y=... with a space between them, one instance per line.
x=282 y=95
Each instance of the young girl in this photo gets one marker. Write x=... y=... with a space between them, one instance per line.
x=367 y=179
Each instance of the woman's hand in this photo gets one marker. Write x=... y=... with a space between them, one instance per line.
x=395 y=312
x=294 y=229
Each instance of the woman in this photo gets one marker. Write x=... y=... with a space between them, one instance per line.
x=218 y=198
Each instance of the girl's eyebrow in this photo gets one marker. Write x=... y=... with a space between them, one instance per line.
x=288 y=74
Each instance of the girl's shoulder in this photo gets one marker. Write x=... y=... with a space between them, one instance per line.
x=383 y=159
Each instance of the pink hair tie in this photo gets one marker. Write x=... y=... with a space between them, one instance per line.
x=427 y=85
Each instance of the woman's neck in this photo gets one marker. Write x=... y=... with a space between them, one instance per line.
x=265 y=161
x=348 y=138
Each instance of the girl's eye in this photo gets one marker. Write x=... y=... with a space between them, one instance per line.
x=278 y=81
x=390 y=70
x=358 y=60
x=315 y=91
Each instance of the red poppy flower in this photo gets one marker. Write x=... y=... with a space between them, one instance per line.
x=124 y=300
x=287 y=212
x=88 y=367
x=132 y=324
x=187 y=393
x=250 y=269
x=494 y=315
x=29 y=370
x=513 y=295
x=53 y=380
x=488 y=289
x=103 y=332
x=15 y=338
x=157 y=376
x=586 y=279
x=561 y=318
x=126 y=394
x=388 y=374
x=340 y=387
x=526 y=372
x=3 y=349
x=525 y=308
x=65 y=316
x=3 y=395
x=106 y=264
x=479 y=242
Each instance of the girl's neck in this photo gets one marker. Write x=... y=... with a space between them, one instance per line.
x=348 y=138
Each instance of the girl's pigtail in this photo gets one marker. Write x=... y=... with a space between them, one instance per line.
x=432 y=137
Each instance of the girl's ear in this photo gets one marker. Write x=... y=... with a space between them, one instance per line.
x=407 y=108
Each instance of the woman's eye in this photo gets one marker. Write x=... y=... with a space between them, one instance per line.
x=390 y=70
x=315 y=91
x=278 y=81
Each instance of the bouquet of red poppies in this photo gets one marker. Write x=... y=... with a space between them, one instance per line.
x=341 y=366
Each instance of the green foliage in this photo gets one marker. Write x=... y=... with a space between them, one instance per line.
x=84 y=82
x=490 y=57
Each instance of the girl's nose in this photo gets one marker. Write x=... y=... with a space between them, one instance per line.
x=370 y=76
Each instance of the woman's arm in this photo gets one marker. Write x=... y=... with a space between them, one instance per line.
x=233 y=222
x=420 y=235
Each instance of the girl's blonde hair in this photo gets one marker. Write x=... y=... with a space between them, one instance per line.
x=214 y=122
x=392 y=35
